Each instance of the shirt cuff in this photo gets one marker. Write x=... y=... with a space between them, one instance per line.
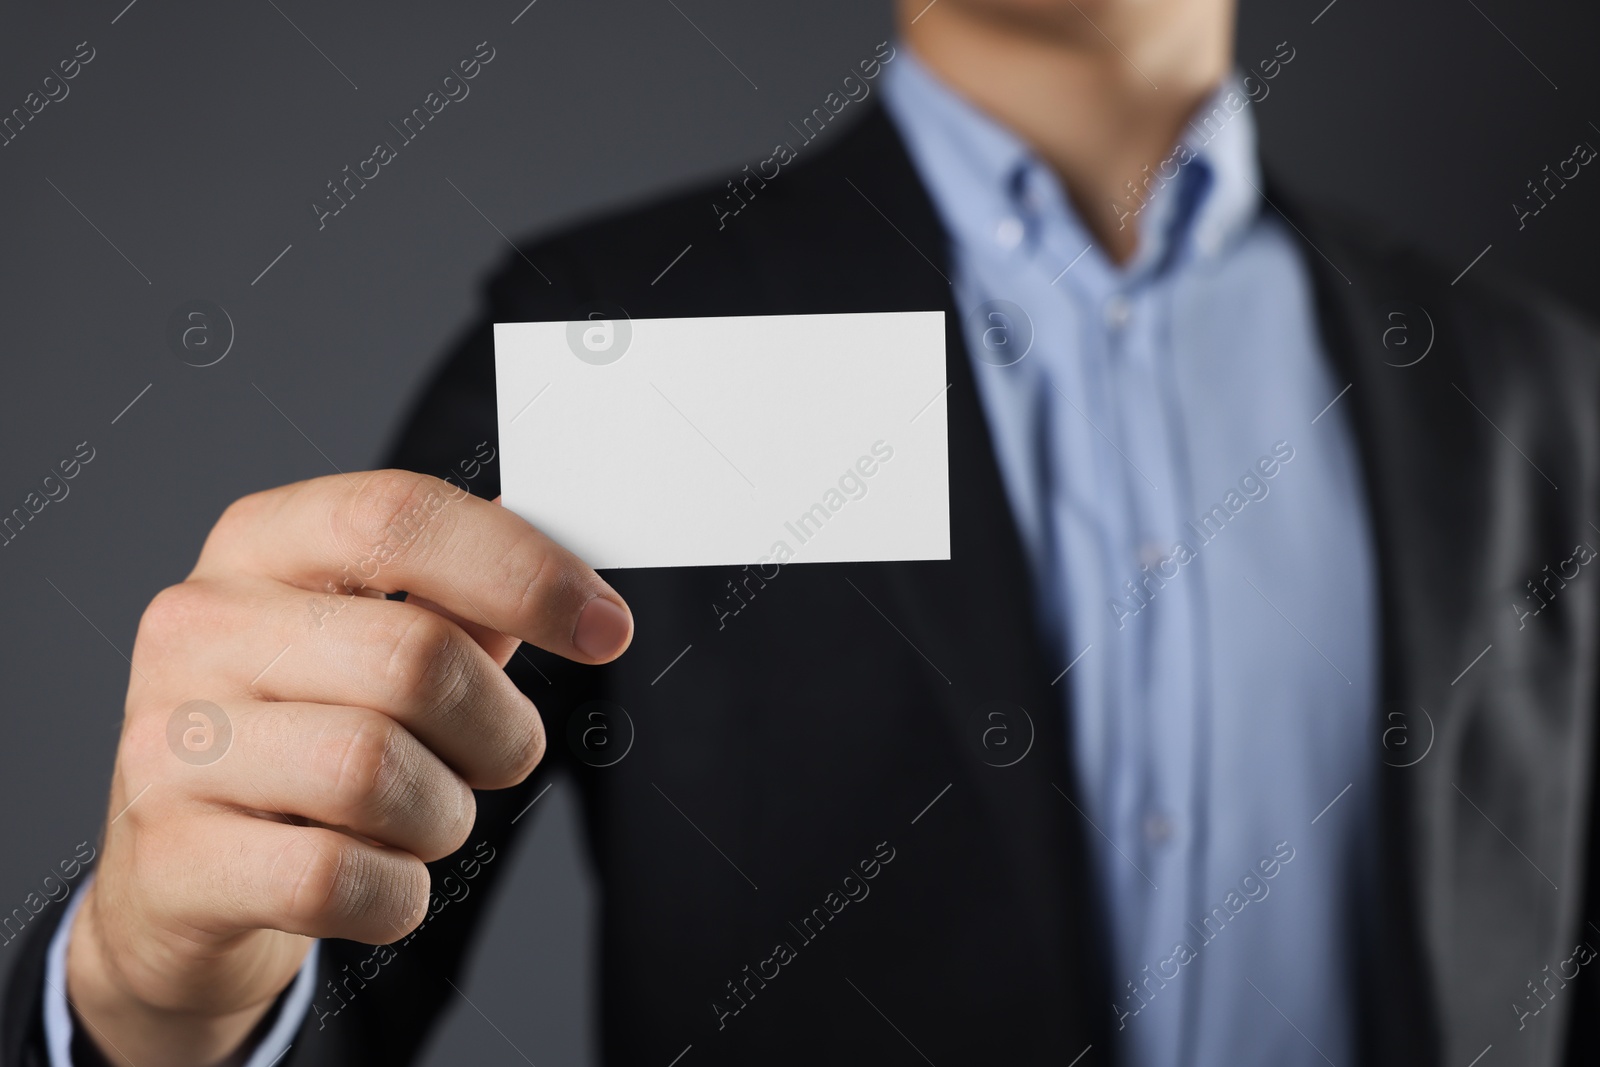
x=58 y=1023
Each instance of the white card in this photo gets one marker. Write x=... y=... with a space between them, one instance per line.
x=754 y=439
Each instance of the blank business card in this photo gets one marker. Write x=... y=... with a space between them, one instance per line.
x=737 y=440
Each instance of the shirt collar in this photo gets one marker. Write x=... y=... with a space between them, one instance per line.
x=1222 y=135
x=993 y=192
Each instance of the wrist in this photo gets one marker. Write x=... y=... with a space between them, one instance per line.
x=125 y=1024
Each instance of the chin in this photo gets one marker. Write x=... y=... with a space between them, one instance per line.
x=1064 y=18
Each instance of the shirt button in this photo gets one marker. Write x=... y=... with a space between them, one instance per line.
x=1118 y=312
x=1157 y=828
x=1151 y=553
x=1008 y=234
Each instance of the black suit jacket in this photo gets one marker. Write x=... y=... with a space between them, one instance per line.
x=802 y=740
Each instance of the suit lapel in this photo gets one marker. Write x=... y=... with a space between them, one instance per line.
x=1423 y=449
x=974 y=618
x=1391 y=952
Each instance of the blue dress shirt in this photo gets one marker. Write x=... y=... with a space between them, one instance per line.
x=1196 y=524
x=1197 y=527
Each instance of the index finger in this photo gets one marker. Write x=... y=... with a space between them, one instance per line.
x=390 y=530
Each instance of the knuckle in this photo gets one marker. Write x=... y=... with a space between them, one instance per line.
x=426 y=666
x=317 y=879
x=240 y=517
x=545 y=584
x=365 y=766
x=174 y=610
x=350 y=890
x=387 y=513
x=515 y=744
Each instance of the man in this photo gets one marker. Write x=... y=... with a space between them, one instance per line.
x=1213 y=743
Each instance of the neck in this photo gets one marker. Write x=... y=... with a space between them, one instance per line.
x=1096 y=112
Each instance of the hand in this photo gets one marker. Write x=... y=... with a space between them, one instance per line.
x=350 y=732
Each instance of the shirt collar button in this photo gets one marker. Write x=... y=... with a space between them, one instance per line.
x=1008 y=234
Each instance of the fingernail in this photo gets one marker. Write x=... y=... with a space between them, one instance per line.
x=602 y=629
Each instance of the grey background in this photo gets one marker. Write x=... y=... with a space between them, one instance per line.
x=200 y=133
